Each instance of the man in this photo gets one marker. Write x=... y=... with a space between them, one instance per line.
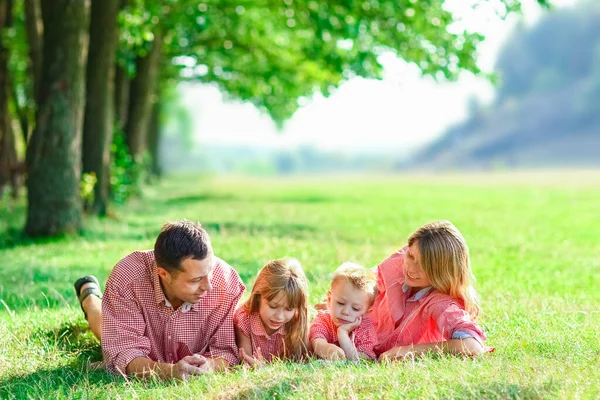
x=168 y=311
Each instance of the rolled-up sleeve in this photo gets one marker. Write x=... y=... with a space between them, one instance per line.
x=123 y=328
x=454 y=322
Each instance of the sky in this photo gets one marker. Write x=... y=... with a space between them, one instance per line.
x=399 y=113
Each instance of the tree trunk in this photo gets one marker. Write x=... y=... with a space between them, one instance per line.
x=99 y=109
x=33 y=23
x=154 y=139
x=54 y=151
x=8 y=152
x=7 y=147
x=122 y=85
x=140 y=99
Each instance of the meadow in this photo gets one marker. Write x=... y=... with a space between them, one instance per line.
x=535 y=251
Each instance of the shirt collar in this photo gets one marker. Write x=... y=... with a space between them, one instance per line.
x=417 y=296
x=258 y=328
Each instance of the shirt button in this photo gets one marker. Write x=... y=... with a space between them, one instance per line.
x=169 y=337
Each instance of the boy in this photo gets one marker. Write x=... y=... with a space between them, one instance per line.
x=343 y=331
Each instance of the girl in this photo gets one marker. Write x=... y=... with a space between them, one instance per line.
x=273 y=322
x=426 y=300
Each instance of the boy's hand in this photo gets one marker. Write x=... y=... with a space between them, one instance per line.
x=332 y=352
x=347 y=328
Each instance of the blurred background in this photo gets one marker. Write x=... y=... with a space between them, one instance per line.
x=536 y=106
x=101 y=97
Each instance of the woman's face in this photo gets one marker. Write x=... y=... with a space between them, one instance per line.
x=414 y=276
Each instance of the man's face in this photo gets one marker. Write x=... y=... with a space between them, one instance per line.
x=192 y=282
x=346 y=303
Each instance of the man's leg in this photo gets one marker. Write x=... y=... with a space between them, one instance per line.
x=92 y=305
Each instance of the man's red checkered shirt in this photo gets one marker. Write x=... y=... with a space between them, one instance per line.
x=138 y=321
x=364 y=336
x=251 y=326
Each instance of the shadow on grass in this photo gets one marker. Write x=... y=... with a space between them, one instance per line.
x=505 y=390
x=270 y=389
x=73 y=338
x=59 y=382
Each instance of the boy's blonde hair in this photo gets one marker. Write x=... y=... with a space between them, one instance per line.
x=284 y=275
x=360 y=277
x=445 y=261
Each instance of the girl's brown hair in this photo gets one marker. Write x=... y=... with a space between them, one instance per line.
x=445 y=260
x=285 y=275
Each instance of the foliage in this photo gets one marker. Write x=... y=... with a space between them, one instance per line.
x=273 y=53
x=88 y=181
x=126 y=176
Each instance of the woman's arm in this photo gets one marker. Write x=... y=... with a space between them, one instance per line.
x=467 y=347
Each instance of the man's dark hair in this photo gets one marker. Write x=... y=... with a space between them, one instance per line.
x=180 y=240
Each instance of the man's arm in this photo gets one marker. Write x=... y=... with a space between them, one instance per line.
x=222 y=347
x=123 y=328
x=192 y=365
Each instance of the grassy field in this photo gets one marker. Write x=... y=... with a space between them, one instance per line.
x=535 y=248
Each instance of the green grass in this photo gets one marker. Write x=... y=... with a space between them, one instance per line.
x=534 y=247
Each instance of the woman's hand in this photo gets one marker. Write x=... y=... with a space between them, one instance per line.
x=398 y=353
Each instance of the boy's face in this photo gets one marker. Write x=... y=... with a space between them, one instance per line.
x=346 y=303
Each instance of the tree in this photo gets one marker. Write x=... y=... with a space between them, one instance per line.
x=54 y=151
x=268 y=52
x=7 y=142
x=99 y=108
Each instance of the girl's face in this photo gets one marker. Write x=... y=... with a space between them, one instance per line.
x=414 y=276
x=275 y=313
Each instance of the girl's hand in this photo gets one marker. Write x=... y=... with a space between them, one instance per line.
x=257 y=361
x=347 y=328
x=321 y=306
x=398 y=353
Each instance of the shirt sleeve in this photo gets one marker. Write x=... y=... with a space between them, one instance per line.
x=319 y=328
x=366 y=338
x=123 y=328
x=454 y=322
x=222 y=342
x=242 y=321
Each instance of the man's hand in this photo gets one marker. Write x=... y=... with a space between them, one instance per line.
x=192 y=365
x=257 y=361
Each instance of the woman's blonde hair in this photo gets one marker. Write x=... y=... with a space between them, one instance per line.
x=285 y=275
x=445 y=261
